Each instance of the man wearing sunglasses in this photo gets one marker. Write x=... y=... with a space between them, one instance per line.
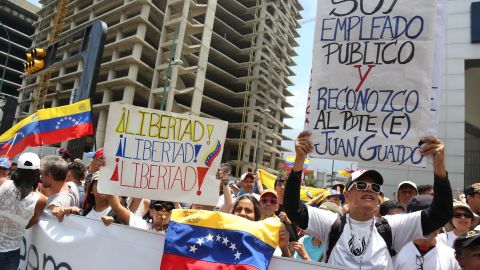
x=359 y=243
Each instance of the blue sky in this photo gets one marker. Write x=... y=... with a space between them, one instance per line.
x=300 y=89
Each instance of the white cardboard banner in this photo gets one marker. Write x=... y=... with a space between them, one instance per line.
x=371 y=86
x=162 y=155
x=80 y=243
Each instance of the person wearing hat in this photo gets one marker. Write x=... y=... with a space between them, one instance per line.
x=425 y=253
x=472 y=197
x=268 y=203
x=247 y=185
x=463 y=220
x=335 y=197
x=467 y=250
x=406 y=190
x=20 y=208
x=156 y=219
x=359 y=244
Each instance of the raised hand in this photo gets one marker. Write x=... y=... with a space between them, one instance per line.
x=436 y=148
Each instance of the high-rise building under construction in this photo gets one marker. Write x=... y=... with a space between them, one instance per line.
x=225 y=59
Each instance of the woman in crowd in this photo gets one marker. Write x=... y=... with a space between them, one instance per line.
x=156 y=219
x=462 y=221
x=247 y=207
x=20 y=208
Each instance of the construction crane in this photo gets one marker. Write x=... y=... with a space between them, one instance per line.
x=42 y=90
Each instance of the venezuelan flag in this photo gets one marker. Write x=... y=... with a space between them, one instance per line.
x=48 y=126
x=198 y=239
x=290 y=160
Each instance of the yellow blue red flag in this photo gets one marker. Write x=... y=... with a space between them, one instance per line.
x=198 y=239
x=290 y=160
x=48 y=126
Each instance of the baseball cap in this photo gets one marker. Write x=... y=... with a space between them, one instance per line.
x=5 y=163
x=29 y=161
x=333 y=192
x=360 y=174
x=95 y=154
x=269 y=191
x=419 y=203
x=466 y=240
x=407 y=183
x=472 y=189
x=245 y=175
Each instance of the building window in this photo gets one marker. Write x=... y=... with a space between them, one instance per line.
x=475 y=22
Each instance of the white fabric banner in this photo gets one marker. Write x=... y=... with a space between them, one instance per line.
x=80 y=243
x=162 y=155
x=371 y=86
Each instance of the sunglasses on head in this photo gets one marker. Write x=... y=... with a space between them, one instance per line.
x=359 y=185
x=466 y=215
x=267 y=200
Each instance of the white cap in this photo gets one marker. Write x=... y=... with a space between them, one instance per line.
x=410 y=183
x=29 y=161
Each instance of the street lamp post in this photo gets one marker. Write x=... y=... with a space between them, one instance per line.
x=171 y=62
x=6 y=59
x=266 y=110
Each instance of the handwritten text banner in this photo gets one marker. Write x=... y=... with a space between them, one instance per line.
x=161 y=155
x=371 y=88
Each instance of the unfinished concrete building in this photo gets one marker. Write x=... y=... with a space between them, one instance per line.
x=227 y=59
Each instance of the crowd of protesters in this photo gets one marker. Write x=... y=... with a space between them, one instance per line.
x=353 y=224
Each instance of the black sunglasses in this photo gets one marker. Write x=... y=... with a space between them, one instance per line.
x=163 y=207
x=280 y=182
x=466 y=215
x=359 y=185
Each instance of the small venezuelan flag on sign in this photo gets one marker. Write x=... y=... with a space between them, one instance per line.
x=48 y=126
x=198 y=239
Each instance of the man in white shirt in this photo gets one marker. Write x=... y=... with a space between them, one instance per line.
x=53 y=172
x=425 y=253
x=360 y=244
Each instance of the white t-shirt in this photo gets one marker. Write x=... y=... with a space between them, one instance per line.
x=138 y=222
x=447 y=238
x=98 y=215
x=441 y=257
x=374 y=253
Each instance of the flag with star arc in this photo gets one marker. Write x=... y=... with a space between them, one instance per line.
x=198 y=239
x=48 y=126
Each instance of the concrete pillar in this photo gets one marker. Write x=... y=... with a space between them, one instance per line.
x=54 y=102
x=128 y=94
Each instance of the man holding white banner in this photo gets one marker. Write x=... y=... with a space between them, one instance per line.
x=359 y=240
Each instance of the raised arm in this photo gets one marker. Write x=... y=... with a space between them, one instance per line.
x=441 y=210
x=295 y=209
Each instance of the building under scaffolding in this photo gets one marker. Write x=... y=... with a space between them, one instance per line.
x=227 y=59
